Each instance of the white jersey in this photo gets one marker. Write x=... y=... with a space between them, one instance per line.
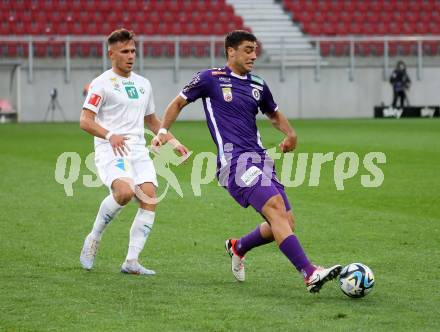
x=120 y=104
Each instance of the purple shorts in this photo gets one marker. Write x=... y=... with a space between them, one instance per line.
x=254 y=185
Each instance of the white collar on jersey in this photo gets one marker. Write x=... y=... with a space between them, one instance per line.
x=238 y=76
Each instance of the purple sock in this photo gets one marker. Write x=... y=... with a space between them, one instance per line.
x=295 y=253
x=249 y=241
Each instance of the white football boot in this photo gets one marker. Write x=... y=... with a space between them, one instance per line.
x=237 y=262
x=320 y=276
x=88 y=253
x=136 y=268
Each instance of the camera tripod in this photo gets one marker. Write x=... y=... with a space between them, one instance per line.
x=53 y=106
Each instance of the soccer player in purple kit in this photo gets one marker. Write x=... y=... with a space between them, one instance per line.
x=231 y=100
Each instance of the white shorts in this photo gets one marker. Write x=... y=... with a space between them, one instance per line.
x=137 y=166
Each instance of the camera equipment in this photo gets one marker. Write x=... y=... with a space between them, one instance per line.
x=53 y=105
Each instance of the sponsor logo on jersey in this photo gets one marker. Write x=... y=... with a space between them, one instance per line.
x=257 y=79
x=215 y=73
x=226 y=85
x=225 y=79
x=127 y=82
x=131 y=92
x=259 y=87
x=256 y=94
x=94 y=99
x=250 y=175
x=227 y=94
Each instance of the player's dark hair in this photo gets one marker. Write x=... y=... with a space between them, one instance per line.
x=235 y=38
x=120 y=35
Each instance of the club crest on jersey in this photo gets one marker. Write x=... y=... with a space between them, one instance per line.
x=142 y=90
x=227 y=94
x=256 y=94
x=115 y=84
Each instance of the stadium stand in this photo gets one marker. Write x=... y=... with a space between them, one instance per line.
x=94 y=17
x=368 y=18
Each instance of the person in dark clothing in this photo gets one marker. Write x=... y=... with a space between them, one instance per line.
x=401 y=82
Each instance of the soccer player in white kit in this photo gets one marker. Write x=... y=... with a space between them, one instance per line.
x=118 y=104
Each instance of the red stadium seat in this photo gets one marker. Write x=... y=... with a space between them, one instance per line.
x=341 y=29
x=169 y=49
x=312 y=29
x=329 y=29
x=186 y=49
x=414 y=6
x=190 y=29
x=324 y=48
x=431 y=47
x=355 y=28
x=341 y=48
x=35 y=28
x=62 y=6
x=361 y=6
x=397 y=17
x=362 y=49
x=372 y=17
x=387 y=6
x=147 y=28
x=26 y=16
x=427 y=6
x=421 y=28
x=359 y=17
x=131 y=6
x=201 y=49
x=424 y=17
x=76 y=6
x=434 y=28
x=331 y=18
x=375 y=6
x=377 y=48
x=349 y=6
x=56 y=49
x=323 y=6
x=318 y=17
x=5 y=28
x=337 y=6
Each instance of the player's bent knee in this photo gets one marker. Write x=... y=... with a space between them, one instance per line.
x=123 y=197
x=274 y=210
x=123 y=194
x=275 y=203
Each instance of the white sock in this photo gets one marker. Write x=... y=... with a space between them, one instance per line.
x=140 y=229
x=107 y=212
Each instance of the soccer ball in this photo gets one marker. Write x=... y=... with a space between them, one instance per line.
x=356 y=280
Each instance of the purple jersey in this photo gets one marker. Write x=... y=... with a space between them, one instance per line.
x=231 y=103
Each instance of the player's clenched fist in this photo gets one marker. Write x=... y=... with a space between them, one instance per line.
x=289 y=143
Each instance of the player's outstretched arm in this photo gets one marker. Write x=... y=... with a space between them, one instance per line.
x=88 y=124
x=280 y=122
x=170 y=116
x=153 y=123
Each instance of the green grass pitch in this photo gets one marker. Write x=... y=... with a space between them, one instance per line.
x=394 y=229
